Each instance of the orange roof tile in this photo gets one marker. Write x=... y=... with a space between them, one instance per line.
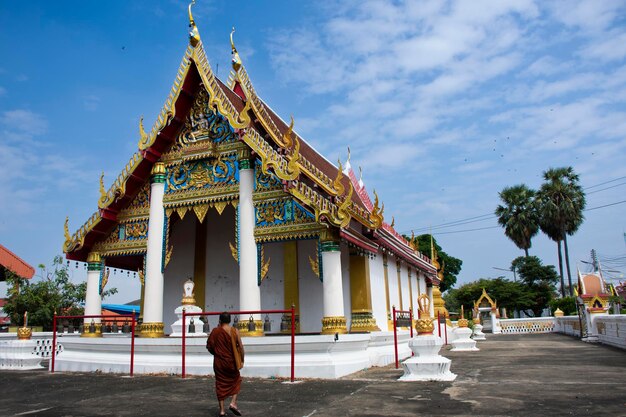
x=15 y=264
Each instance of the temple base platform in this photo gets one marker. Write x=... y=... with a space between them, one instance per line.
x=317 y=356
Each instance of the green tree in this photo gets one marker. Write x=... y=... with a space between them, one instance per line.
x=566 y=304
x=539 y=280
x=451 y=265
x=508 y=294
x=43 y=295
x=518 y=215
x=561 y=202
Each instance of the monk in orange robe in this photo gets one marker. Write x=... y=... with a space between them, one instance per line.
x=227 y=377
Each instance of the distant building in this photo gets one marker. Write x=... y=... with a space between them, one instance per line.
x=10 y=262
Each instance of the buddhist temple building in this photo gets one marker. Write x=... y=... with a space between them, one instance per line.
x=224 y=191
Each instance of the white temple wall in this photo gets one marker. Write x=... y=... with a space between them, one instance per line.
x=392 y=271
x=379 y=299
x=345 y=278
x=273 y=287
x=222 y=272
x=421 y=285
x=310 y=289
x=180 y=268
x=404 y=280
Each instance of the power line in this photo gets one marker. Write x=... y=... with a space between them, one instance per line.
x=437 y=226
x=605 y=182
x=467 y=230
x=607 y=188
x=606 y=205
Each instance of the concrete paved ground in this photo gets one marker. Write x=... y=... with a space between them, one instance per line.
x=512 y=375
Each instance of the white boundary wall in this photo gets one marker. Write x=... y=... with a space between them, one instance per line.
x=527 y=325
x=612 y=330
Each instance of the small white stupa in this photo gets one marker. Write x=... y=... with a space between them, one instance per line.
x=188 y=303
x=426 y=364
x=463 y=340
x=478 y=328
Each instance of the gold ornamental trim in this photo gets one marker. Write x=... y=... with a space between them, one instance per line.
x=242 y=326
x=363 y=322
x=152 y=330
x=97 y=333
x=334 y=324
x=24 y=333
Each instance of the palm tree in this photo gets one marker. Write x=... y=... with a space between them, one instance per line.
x=561 y=201
x=518 y=215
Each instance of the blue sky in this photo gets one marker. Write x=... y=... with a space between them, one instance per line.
x=442 y=103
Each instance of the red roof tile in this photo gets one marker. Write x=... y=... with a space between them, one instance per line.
x=15 y=264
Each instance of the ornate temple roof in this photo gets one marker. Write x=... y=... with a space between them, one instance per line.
x=336 y=199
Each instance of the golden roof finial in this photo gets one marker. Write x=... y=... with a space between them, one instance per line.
x=236 y=60
x=348 y=161
x=103 y=192
x=376 y=216
x=66 y=229
x=194 y=34
x=393 y=221
x=142 y=132
x=337 y=185
x=360 y=175
x=287 y=140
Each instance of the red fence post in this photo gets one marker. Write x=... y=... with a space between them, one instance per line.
x=438 y=323
x=445 y=328
x=54 y=339
x=293 y=341
x=395 y=336
x=411 y=326
x=132 y=346
x=183 y=365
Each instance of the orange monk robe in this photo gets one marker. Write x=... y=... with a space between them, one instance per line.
x=227 y=377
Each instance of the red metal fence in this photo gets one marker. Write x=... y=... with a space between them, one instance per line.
x=292 y=311
x=104 y=318
x=395 y=332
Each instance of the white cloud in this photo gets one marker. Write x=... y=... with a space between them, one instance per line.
x=24 y=121
x=91 y=102
x=610 y=47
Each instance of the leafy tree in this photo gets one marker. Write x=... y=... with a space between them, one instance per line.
x=566 y=304
x=508 y=294
x=539 y=280
x=451 y=265
x=561 y=202
x=518 y=215
x=53 y=291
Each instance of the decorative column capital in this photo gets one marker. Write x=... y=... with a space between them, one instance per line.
x=244 y=159
x=158 y=173
x=330 y=246
x=94 y=262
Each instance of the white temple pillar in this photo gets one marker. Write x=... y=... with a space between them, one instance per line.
x=152 y=325
x=249 y=290
x=429 y=293
x=334 y=320
x=93 y=301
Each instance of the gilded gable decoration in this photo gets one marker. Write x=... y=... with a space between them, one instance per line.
x=194 y=34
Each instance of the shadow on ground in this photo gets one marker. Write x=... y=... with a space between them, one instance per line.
x=511 y=375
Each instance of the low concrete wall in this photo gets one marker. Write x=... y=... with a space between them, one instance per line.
x=612 y=330
x=528 y=325
x=569 y=325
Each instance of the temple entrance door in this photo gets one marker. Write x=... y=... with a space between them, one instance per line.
x=485 y=318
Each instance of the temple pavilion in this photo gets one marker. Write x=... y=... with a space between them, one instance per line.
x=224 y=191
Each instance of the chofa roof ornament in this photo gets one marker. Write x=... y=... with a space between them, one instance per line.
x=194 y=34
x=236 y=60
